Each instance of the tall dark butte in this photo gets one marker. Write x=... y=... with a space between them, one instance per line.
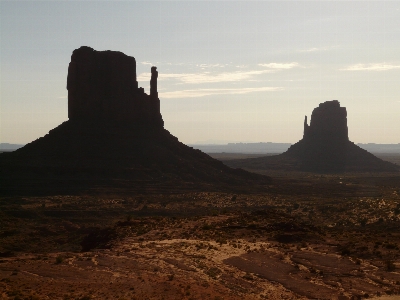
x=114 y=141
x=325 y=147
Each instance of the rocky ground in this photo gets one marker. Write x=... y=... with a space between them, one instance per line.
x=308 y=237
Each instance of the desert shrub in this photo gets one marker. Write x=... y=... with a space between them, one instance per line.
x=7 y=254
x=207 y=227
x=221 y=241
x=213 y=272
x=362 y=248
x=248 y=276
x=390 y=246
x=390 y=267
x=345 y=250
x=59 y=259
x=98 y=238
x=363 y=222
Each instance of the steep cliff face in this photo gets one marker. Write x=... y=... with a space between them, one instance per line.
x=325 y=147
x=325 y=141
x=328 y=123
x=102 y=85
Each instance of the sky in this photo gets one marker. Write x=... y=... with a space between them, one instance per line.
x=229 y=71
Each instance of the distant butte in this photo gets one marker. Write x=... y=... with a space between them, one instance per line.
x=114 y=141
x=325 y=148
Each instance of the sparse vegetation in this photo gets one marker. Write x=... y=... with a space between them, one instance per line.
x=302 y=232
x=390 y=266
x=60 y=259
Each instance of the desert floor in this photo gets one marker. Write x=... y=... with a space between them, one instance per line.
x=308 y=236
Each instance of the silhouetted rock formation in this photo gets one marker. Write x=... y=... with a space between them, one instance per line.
x=153 y=82
x=102 y=85
x=114 y=141
x=325 y=147
x=328 y=124
x=325 y=141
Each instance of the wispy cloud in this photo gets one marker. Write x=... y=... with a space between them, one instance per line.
x=146 y=63
x=371 y=67
x=147 y=75
x=280 y=65
x=208 y=92
x=206 y=77
x=214 y=77
x=312 y=49
x=203 y=66
x=315 y=49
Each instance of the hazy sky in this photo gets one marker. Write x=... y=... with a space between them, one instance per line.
x=229 y=71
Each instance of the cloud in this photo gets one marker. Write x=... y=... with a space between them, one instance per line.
x=210 y=66
x=371 y=67
x=146 y=63
x=205 y=77
x=315 y=49
x=162 y=76
x=280 y=65
x=312 y=50
x=222 y=77
x=214 y=77
x=208 y=92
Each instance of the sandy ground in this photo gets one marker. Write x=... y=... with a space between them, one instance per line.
x=317 y=237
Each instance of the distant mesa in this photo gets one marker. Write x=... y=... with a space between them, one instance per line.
x=114 y=141
x=325 y=147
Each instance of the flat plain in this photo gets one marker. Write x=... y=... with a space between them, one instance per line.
x=308 y=236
